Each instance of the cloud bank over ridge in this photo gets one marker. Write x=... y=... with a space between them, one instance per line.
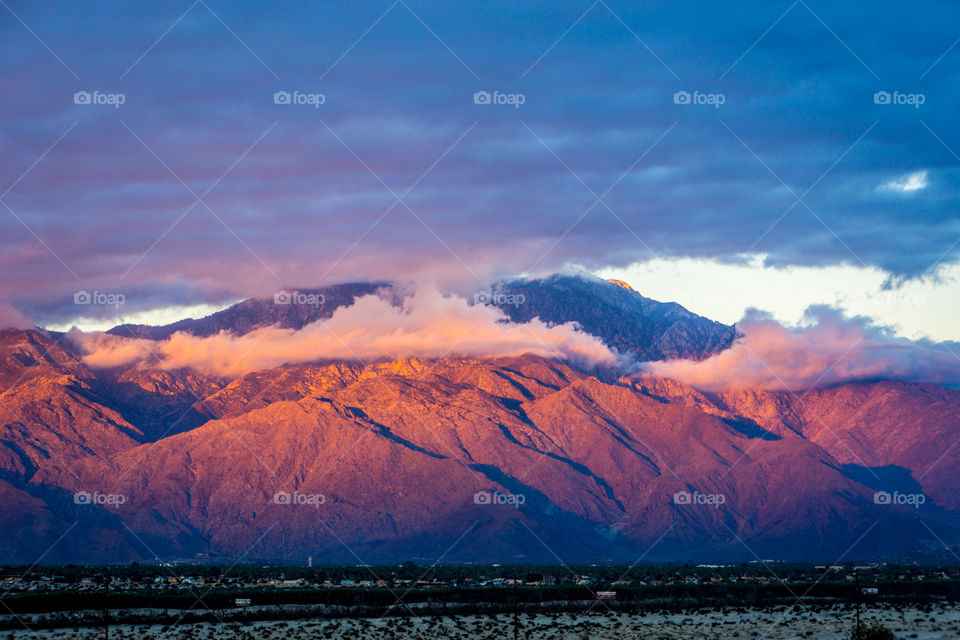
x=830 y=349
x=425 y=324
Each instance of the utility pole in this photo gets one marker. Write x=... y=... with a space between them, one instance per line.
x=856 y=575
x=106 y=608
x=516 y=615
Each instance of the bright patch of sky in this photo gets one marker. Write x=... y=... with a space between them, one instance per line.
x=722 y=291
x=155 y=317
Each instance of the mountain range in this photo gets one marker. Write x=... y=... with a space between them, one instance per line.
x=499 y=459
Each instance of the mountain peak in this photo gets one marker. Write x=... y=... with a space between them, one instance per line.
x=617 y=314
x=620 y=283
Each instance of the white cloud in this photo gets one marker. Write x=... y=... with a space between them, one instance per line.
x=908 y=183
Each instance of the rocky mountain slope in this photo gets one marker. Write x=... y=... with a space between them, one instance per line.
x=614 y=312
x=498 y=459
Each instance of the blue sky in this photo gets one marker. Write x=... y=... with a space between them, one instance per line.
x=770 y=136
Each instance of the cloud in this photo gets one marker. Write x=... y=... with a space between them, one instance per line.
x=907 y=184
x=425 y=324
x=830 y=350
x=11 y=318
x=295 y=198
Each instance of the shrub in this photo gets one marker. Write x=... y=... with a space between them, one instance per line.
x=872 y=631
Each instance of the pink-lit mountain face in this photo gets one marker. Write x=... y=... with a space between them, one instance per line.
x=506 y=459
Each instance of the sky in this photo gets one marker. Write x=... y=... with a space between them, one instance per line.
x=175 y=157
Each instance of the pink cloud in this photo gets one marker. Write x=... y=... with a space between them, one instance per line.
x=426 y=324
x=11 y=318
x=831 y=350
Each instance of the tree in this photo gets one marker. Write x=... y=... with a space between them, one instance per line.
x=872 y=631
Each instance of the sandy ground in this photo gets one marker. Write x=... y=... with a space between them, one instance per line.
x=924 y=623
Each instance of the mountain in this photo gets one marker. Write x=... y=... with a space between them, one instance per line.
x=50 y=418
x=398 y=451
x=621 y=317
x=289 y=309
x=612 y=311
x=52 y=414
x=517 y=459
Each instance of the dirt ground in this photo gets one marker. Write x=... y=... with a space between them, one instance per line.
x=822 y=622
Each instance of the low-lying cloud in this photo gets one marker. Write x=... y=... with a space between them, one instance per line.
x=11 y=318
x=829 y=350
x=425 y=324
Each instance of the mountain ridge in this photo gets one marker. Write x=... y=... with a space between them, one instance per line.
x=622 y=318
x=607 y=468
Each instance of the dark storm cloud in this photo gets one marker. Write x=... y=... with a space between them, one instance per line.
x=798 y=106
